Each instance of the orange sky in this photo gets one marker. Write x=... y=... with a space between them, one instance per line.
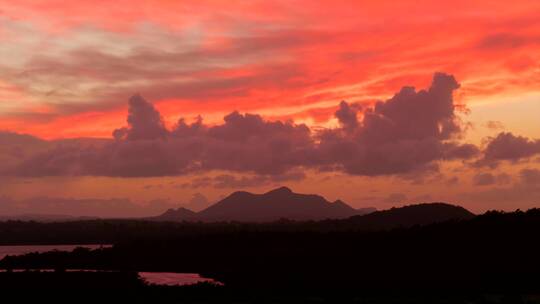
x=67 y=70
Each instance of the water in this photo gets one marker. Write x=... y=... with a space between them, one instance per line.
x=158 y=278
x=24 y=249
x=171 y=278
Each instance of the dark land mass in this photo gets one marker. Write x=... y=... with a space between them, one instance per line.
x=490 y=258
x=114 y=231
x=127 y=287
x=46 y=218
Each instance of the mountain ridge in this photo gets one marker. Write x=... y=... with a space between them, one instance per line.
x=279 y=203
x=283 y=203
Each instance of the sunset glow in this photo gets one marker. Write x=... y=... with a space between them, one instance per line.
x=312 y=94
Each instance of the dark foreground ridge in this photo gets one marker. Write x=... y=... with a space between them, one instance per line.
x=494 y=253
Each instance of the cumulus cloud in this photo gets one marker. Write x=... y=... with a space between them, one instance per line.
x=144 y=122
x=408 y=133
x=523 y=193
x=509 y=147
x=347 y=115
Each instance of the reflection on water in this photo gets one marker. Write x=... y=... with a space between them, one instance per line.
x=171 y=278
x=157 y=278
x=24 y=249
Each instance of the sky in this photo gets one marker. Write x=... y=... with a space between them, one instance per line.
x=124 y=108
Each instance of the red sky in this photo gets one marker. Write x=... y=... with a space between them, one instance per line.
x=67 y=70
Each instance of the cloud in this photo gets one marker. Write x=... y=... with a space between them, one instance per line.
x=530 y=177
x=224 y=181
x=192 y=55
x=15 y=147
x=234 y=182
x=230 y=181
x=408 y=134
x=523 y=193
x=484 y=179
x=487 y=179
x=144 y=122
x=509 y=147
x=494 y=125
x=507 y=41
x=347 y=115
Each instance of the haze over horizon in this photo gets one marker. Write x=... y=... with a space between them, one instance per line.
x=161 y=104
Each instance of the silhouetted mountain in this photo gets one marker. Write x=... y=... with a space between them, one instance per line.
x=407 y=216
x=280 y=203
x=180 y=214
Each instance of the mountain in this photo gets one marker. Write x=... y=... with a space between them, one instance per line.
x=270 y=206
x=282 y=203
x=176 y=215
x=407 y=216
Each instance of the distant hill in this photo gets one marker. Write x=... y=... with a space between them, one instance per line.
x=407 y=216
x=180 y=214
x=280 y=203
x=46 y=218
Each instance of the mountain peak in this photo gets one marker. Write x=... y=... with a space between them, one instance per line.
x=176 y=214
x=280 y=190
x=278 y=203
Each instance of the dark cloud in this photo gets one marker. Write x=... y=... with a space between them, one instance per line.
x=506 y=41
x=509 y=147
x=407 y=134
x=530 y=177
x=347 y=116
x=404 y=134
x=460 y=151
x=144 y=122
x=523 y=193
x=484 y=179
x=487 y=179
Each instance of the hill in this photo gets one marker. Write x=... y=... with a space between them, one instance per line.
x=407 y=216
